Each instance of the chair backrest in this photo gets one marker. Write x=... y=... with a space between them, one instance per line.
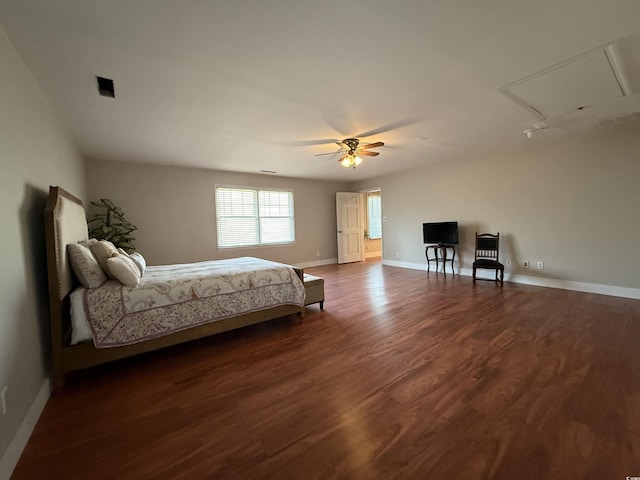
x=487 y=246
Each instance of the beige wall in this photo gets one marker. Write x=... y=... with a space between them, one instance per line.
x=174 y=211
x=571 y=203
x=34 y=153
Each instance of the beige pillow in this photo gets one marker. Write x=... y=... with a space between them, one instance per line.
x=85 y=266
x=104 y=250
x=124 y=270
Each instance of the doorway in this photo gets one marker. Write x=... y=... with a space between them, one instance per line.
x=372 y=221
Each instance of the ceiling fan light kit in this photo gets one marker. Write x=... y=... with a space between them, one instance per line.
x=350 y=161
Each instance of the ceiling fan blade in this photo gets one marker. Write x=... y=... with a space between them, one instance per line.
x=367 y=153
x=308 y=143
x=342 y=158
x=373 y=145
x=329 y=153
x=390 y=126
x=339 y=121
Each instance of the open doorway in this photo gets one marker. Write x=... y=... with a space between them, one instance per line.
x=372 y=221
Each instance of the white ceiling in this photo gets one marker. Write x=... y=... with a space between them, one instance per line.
x=246 y=85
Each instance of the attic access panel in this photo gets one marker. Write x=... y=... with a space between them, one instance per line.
x=581 y=82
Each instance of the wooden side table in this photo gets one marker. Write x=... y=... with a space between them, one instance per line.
x=440 y=255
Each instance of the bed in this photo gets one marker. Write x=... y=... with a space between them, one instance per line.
x=144 y=322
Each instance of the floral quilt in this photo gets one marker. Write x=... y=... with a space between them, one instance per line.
x=176 y=297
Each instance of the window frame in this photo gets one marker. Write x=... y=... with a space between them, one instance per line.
x=258 y=217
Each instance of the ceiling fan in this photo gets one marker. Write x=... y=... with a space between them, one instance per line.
x=352 y=151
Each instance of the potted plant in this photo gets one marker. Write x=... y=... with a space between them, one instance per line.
x=111 y=224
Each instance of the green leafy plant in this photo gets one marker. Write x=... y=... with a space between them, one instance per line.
x=111 y=224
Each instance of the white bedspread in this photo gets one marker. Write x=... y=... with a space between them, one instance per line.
x=176 y=297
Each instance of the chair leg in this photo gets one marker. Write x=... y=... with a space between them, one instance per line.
x=474 y=275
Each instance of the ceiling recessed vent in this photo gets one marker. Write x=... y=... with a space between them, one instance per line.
x=105 y=87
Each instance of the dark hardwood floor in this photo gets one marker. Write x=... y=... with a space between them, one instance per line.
x=403 y=376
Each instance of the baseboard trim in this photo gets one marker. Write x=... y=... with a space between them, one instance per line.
x=412 y=266
x=611 y=290
x=16 y=447
x=317 y=263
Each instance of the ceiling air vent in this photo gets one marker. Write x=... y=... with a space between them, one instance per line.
x=105 y=87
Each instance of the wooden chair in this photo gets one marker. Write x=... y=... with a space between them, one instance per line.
x=487 y=249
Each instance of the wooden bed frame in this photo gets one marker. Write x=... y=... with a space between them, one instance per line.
x=65 y=222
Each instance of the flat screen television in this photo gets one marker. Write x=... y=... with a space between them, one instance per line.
x=444 y=233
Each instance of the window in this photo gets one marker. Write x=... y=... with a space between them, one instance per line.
x=374 y=215
x=249 y=217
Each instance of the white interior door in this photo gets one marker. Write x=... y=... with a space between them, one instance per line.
x=349 y=227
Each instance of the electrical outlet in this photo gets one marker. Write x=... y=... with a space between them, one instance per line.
x=318 y=253
x=397 y=254
x=5 y=400
x=509 y=262
x=540 y=265
x=525 y=264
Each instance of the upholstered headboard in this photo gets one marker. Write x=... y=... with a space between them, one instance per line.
x=65 y=223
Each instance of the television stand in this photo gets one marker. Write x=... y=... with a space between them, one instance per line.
x=440 y=255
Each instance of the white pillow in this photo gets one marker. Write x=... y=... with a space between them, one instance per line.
x=137 y=258
x=139 y=261
x=85 y=265
x=80 y=330
x=104 y=250
x=124 y=270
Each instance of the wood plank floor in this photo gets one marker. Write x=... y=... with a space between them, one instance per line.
x=404 y=375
